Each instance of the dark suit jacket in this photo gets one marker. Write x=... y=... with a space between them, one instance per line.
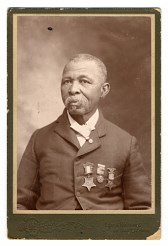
x=51 y=172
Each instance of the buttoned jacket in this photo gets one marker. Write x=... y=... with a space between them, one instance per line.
x=51 y=173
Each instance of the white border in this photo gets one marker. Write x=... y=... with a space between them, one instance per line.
x=3 y=105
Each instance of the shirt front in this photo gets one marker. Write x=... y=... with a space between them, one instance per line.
x=83 y=131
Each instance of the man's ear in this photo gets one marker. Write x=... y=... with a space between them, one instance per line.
x=105 y=89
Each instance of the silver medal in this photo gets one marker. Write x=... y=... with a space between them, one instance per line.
x=100 y=179
x=88 y=183
x=88 y=171
x=100 y=173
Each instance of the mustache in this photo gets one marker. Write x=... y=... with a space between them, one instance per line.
x=72 y=99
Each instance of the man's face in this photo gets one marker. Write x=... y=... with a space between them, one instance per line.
x=81 y=87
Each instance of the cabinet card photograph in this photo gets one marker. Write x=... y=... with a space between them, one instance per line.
x=83 y=123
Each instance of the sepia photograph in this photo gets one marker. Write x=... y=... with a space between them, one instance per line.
x=83 y=113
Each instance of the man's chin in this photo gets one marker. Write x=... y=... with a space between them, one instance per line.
x=75 y=111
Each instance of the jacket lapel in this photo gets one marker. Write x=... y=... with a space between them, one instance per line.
x=63 y=129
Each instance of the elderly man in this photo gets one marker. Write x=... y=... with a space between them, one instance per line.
x=82 y=161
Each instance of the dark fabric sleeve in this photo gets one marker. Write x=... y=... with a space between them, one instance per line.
x=27 y=178
x=137 y=190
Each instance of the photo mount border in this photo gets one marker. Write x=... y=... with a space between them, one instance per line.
x=141 y=224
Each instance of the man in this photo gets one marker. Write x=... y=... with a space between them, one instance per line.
x=82 y=161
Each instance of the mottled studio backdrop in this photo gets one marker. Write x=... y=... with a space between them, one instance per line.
x=45 y=43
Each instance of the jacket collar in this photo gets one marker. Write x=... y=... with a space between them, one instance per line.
x=63 y=129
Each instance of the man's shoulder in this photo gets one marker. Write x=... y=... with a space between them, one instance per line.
x=48 y=128
x=115 y=130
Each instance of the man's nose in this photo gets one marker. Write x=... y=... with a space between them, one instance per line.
x=74 y=88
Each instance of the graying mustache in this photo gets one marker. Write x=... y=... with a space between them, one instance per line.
x=72 y=99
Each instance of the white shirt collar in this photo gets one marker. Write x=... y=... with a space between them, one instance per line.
x=90 y=123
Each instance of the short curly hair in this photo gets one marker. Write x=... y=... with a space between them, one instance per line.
x=87 y=57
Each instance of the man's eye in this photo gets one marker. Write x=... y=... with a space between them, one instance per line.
x=67 y=81
x=84 y=81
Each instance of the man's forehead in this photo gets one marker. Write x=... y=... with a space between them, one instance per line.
x=80 y=66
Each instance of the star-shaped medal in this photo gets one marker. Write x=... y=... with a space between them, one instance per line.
x=88 y=183
x=110 y=184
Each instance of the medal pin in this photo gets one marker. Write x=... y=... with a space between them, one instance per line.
x=111 y=173
x=100 y=173
x=88 y=167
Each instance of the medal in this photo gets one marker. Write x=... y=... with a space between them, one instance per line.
x=100 y=179
x=88 y=167
x=110 y=183
x=88 y=183
x=100 y=173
